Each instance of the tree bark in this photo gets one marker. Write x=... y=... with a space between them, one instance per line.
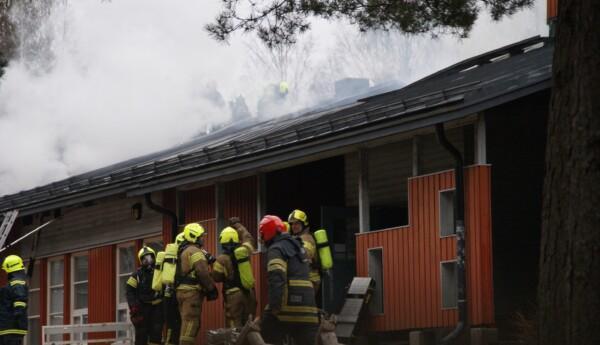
x=569 y=285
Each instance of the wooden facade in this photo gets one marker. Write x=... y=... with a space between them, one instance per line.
x=412 y=256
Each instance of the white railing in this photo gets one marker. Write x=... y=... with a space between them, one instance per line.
x=76 y=333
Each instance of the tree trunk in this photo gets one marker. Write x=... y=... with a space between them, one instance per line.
x=569 y=285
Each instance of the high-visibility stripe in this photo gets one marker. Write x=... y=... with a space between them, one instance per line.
x=188 y=287
x=17 y=282
x=314 y=276
x=132 y=282
x=299 y=309
x=232 y=290
x=217 y=267
x=20 y=304
x=13 y=331
x=310 y=249
x=301 y=283
x=156 y=301
x=305 y=319
x=197 y=257
x=277 y=264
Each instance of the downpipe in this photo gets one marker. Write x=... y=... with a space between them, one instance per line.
x=459 y=227
x=167 y=212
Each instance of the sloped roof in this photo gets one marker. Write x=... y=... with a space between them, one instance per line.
x=460 y=90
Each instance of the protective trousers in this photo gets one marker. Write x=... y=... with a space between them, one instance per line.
x=239 y=305
x=190 y=308
x=149 y=330
x=11 y=339
x=274 y=331
x=173 y=319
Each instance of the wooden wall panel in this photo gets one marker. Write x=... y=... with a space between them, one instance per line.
x=240 y=201
x=43 y=272
x=169 y=201
x=412 y=256
x=552 y=9
x=102 y=288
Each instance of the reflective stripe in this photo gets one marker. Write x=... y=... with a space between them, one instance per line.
x=314 y=276
x=305 y=319
x=156 y=301
x=249 y=246
x=197 y=257
x=302 y=283
x=217 y=267
x=13 y=331
x=132 y=282
x=310 y=249
x=17 y=282
x=277 y=264
x=232 y=290
x=299 y=309
x=20 y=304
x=188 y=287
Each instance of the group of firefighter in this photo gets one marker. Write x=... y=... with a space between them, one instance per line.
x=170 y=286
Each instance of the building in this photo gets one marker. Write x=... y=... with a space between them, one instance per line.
x=371 y=172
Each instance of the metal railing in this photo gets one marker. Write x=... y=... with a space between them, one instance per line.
x=77 y=332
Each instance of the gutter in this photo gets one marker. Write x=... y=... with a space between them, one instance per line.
x=459 y=228
x=166 y=212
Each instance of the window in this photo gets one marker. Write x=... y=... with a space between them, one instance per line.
x=376 y=272
x=126 y=257
x=56 y=274
x=447 y=212
x=79 y=294
x=33 y=308
x=449 y=285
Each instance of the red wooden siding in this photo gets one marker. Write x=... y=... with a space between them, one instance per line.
x=199 y=204
x=240 y=201
x=552 y=9
x=101 y=287
x=412 y=255
x=67 y=290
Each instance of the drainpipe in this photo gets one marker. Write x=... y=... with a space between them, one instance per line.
x=162 y=210
x=459 y=227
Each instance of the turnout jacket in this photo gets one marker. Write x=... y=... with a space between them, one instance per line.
x=13 y=305
x=139 y=288
x=291 y=293
x=192 y=270
x=225 y=271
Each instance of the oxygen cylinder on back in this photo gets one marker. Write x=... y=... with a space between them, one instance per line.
x=169 y=266
x=245 y=269
x=157 y=283
x=324 y=249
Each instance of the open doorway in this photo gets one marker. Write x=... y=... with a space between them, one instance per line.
x=318 y=188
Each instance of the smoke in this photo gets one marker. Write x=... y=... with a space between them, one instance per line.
x=96 y=82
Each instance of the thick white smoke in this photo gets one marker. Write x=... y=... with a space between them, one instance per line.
x=102 y=81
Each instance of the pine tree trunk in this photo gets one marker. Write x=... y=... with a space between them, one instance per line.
x=569 y=285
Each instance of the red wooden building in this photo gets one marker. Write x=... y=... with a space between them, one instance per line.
x=371 y=172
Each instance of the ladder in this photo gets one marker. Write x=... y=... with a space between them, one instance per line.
x=7 y=223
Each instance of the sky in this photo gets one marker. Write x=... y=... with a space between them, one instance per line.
x=97 y=82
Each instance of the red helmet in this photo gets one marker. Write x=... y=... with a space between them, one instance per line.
x=269 y=226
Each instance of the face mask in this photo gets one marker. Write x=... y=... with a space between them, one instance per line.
x=147 y=260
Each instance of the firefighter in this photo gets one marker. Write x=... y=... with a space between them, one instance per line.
x=233 y=269
x=292 y=309
x=193 y=282
x=173 y=318
x=145 y=304
x=244 y=235
x=13 y=302
x=298 y=221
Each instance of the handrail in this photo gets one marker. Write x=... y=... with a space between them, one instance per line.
x=73 y=330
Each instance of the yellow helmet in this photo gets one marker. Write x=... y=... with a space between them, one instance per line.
x=179 y=238
x=12 y=263
x=298 y=216
x=192 y=232
x=229 y=235
x=145 y=251
x=283 y=87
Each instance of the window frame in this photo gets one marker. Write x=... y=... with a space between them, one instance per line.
x=443 y=232
x=36 y=267
x=81 y=313
x=120 y=306
x=51 y=287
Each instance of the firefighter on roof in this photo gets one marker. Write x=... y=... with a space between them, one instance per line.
x=233 y=269
x=13 y=302
x=145 y=304
x=292 y=309
x=193 y=282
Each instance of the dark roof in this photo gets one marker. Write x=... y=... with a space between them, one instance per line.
x=460 y=90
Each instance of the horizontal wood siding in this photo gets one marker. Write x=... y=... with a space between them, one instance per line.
x=412 y=256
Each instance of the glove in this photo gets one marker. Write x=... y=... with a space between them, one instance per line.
x=209 y=257
x=137 y=320
x=212 y=294
x=135 y=314
x=233 y=221
x=134 y=309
